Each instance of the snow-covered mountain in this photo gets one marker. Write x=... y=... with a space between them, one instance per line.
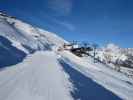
x=25 y=36
x=116 y=55
x=38 y=71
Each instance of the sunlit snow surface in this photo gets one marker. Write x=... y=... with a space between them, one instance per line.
x=85 y=87
x=116 y=82
x=39 y=77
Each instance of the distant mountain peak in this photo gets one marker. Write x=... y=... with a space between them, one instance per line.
x=112 y=46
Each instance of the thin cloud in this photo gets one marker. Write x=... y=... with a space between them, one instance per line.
x=65 y=24
x=69 y=26
x=61 y=7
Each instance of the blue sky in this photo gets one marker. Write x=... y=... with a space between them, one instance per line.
x=99 y=21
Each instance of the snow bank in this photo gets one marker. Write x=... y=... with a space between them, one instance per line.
x=110 y=79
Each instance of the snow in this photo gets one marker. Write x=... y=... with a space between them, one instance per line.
x=117 y=58
x=110 y=79
x=26 y=35
x=112 y=46
x=19 y=46
x=39 y=77
x=113 y=53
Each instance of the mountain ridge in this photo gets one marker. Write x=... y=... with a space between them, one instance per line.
x=27 y=35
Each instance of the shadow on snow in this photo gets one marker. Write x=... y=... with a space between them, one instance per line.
x=9 y=55
x=85 y=88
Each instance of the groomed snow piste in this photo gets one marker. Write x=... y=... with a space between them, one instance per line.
x=38 y=77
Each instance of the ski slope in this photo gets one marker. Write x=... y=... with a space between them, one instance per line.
x=113 y=81
x=39 y=77
x=44 y=73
